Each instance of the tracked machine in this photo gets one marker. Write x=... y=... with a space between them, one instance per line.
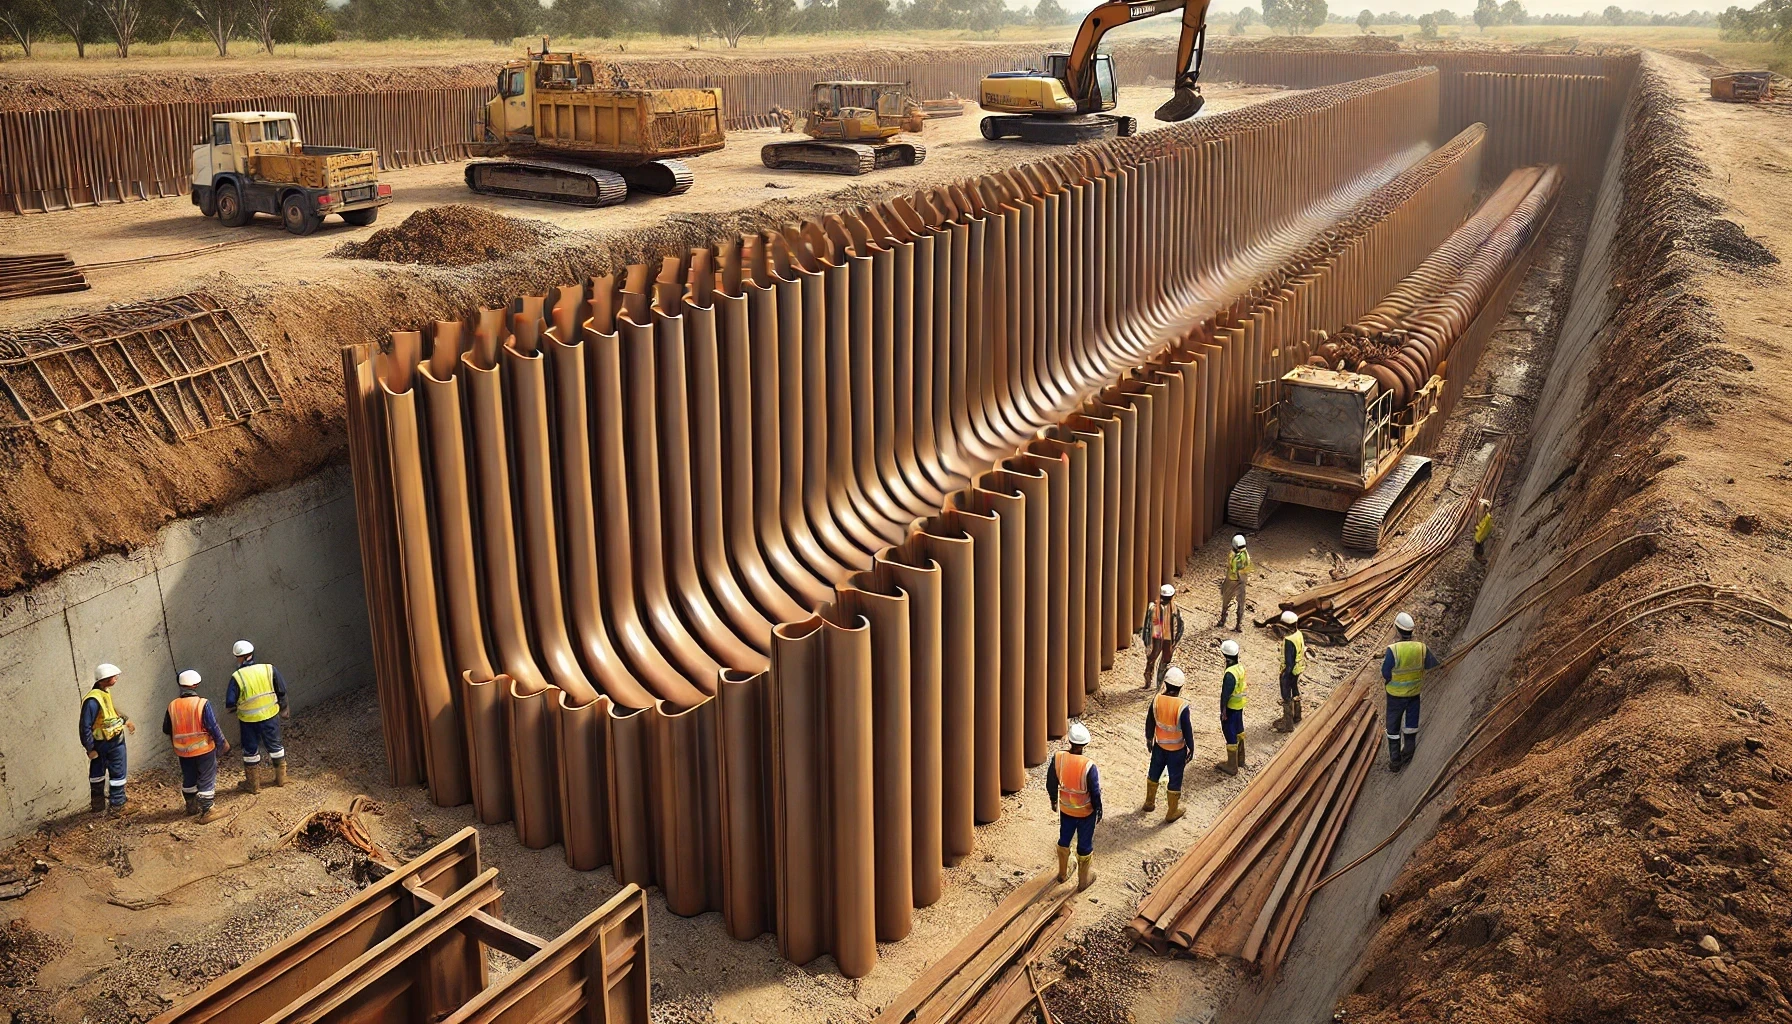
x=1067 y=102
x=853 y=129
x=565 y=139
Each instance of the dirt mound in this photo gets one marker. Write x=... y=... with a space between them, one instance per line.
x=1310 y=44
x=54 y=87
x=456 y=235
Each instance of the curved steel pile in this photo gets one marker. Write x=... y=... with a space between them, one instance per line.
x=761 y=574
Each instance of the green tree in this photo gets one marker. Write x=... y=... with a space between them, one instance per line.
x=1050 y=12
x=1513 y=13
x=1614 y=15
x=1444 y=16
x=1311 y=14
x=26 y=21
x=123 y=16
x=1280 y=15
x=1428 y=26
x=1364 y=19
x=1245 y=18
x=1487 y=12
x=219 y=19
x=501 y=21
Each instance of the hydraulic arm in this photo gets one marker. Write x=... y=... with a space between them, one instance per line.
x=1080 y=72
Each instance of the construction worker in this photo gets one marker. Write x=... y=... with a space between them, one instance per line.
x=1170 y=739
x=1238 y=566
x=1232 y=710
x=1483 y=531
x=1074 y=787
x=103 y=729
x=1161 y=632
x=1403 y=666
x=198 y=742
x=1294 y=662
x=257 y=694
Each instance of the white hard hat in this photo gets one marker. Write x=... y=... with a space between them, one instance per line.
x=1173 y=677
x=242 y=647
x=1166 y=591
x=1229 y=648
x=1486 y=504
x=104 y=671
x=1289 y=618
x=1079 y=734
x=1403 y=622
x=189 y=679
x=1238 y=540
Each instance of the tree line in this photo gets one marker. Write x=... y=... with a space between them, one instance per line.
x=1299 y=17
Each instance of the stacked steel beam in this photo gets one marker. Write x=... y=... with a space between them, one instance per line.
x=678 y=556
x=46 y=273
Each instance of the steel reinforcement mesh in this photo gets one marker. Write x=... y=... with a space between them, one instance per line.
x=661 y=565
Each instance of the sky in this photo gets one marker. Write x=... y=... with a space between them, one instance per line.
x=1536 y=7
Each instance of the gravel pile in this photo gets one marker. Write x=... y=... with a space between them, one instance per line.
x=448 y=236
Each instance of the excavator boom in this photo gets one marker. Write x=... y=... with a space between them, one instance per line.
x=1080 y=72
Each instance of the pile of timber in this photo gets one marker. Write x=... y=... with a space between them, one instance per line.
x=1342 y=610
x=989 y=977
x=1241 y=890
x=44 y=273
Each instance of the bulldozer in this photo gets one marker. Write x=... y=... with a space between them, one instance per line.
x=852 y=129
x=565 y=139
x=1067 y=101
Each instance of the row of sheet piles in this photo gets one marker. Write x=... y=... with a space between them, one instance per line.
x=762 y=574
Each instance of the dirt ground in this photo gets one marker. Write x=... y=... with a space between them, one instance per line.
x=303 y=303
x=1623 y=854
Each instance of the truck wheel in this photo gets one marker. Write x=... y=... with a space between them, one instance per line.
x=988 y=127
x=208 y=202
x=229 y=202
x=360 y=218
x=296 y=212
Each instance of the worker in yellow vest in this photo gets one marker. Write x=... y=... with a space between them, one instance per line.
x=1170 y=740
x=1232 y=710
x=193 y=729
x=1403 y=666
x=103 y=728
x=1074 y=787
x=1294 y=663
x=1161 y=632
x=1238 y=567
x=1483 y=531
x=258 y=696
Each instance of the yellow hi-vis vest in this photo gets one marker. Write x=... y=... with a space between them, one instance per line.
x=1235 y=701
x=1238 y=564
x=1409 y=668
x=1484 y=528
x=1073 y=785
x=186 y=716
x=1299 y=640
x=1166 y=714
x=109 y=725
x=255 y=697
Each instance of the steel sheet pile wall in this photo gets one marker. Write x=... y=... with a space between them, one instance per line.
x=681 y=556
x=1537 y=119
x=1310 y=69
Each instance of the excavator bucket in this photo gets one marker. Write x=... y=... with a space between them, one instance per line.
x=1184 y=104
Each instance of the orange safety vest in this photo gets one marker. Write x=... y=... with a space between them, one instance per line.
x=1073 y=785
x=187 y=716
x=1167 y=713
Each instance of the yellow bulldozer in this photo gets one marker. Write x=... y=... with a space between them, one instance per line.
x=566 y=139
x=852 y=129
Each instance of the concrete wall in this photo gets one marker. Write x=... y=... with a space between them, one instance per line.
x=282 y=569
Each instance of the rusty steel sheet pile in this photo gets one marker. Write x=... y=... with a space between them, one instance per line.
x=662 y=564
x=412 y=946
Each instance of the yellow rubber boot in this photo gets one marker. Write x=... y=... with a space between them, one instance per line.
x=1085 y=871
x=1230 y=767
x=1150 y=795
x=280 y=772
x=1174 y=810
x=1063 y=863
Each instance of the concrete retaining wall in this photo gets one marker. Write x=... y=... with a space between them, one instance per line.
x=282 y=569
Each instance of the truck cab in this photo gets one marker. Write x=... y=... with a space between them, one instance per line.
x=254 y=161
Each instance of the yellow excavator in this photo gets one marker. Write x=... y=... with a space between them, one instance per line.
x=567 y=139
x=1067 y=102
x=852 y=129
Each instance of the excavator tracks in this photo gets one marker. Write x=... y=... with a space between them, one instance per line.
x=852 y=158
x=1369 y=517
x=660 y=177
x=548 y=181
x=1249 y=506
x=1058 y=131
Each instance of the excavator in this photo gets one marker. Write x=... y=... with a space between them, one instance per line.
x=567 y=139
x=852 y=129
x=1067 y=102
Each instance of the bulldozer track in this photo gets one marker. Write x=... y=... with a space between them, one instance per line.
x=1370 y=516
x=507 y=177
x=1249 y=505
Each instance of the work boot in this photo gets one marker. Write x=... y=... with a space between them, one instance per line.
x=114 y=810
x=209 y=815
x=1394 y=762
x=1242 y=764
x=1238 y=627
x=192 y=803
x=1085 y=871
x=1230 y=766
x=1063 y=863
x=96 y=802
x=1408 y=747
x=1295 y=704
x=280 y=772
x=251 y=779
x=1151 y=795
x=1174 y=810
x=1286 y=722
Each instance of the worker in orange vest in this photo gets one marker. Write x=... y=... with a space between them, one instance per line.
x=1170 y=739
x=1161 y=632
x=1074 y=787
x=198 y=742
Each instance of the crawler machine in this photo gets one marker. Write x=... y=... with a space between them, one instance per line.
x=852 y=128
x=1067 y=102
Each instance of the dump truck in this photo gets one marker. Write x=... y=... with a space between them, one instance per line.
x=852 y=129
x=255 y=162
x=1333 y=439
x=562 y=138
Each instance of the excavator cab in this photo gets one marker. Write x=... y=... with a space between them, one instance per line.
x=1103 y=92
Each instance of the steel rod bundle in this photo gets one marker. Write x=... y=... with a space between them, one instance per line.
x=672 y=559
x=45 y=273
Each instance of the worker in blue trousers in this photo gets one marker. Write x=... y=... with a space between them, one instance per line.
x=1074 y=787
x=258 y=696
x=1232 y=710
x=192 y=727
x=1170 y=739
x=1294 y=665
x=1403 y=666
x=103 y=728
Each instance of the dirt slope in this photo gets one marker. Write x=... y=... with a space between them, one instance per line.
x=1623 y=854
